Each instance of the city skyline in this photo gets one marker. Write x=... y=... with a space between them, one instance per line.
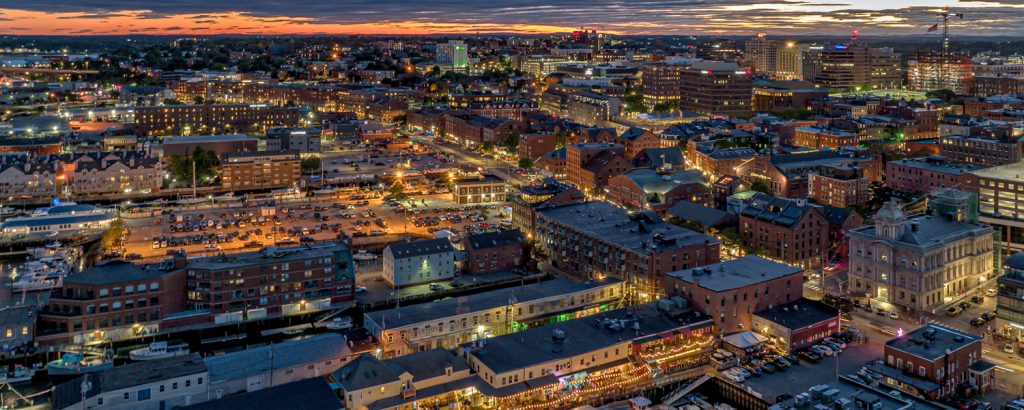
x=400 y=17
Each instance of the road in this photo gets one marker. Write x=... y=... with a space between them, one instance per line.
x=465 y=156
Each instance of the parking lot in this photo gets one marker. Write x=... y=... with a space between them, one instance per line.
x=805 y=374
x=364 y=218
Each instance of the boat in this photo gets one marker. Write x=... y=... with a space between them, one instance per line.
x=63 y=219
x=339 y=323
x=20 y=374
x=363 y=255
x=292 y=331
x=76 y=363
x=43 y=274
x=54 y=250
x=158 y=350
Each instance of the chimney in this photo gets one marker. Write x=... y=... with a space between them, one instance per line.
x=914 y=225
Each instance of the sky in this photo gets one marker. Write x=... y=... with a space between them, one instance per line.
x=396 y=17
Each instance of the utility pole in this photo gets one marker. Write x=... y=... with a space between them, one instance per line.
x=194 y=178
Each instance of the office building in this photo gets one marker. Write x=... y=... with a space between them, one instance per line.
x=789 y=61
x=302 y=140
x=454 y=53
x=484 y=189
x=716 y=89
x=856 y=66
x=661 y=84
x=780 y=95
x=762 y=52
x=1010 y=299
x=214 y=118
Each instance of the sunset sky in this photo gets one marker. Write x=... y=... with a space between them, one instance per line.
x=872 y=17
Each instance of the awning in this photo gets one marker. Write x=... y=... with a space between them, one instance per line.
x=744 y=340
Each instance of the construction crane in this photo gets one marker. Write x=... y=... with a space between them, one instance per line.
x=946 y=14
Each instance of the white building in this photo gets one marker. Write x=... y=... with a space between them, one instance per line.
x=157 y=384
x=410 y=263
x=453 y=53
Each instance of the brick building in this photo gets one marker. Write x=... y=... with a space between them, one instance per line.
x=535 y=145
x=527 y=199
x=789 y=229
x=489 y=252
x=731 y=291
x=821 y=137
x=597 y=239
x=716 y=88
x=925 y=174
x=646 y=188
x=838 y=185
x=936 y=362
x=214 y=118
x=260 y=170
x=797 y=324
x=480 y=190
x=588 y=166
x=272 y=281
x=112 y=301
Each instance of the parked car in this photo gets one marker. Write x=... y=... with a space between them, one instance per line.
x=953 y=311
x=436 y=287
x=894 y=314
x=977 y=322
x=990 y=292
x=810 y=356
x=976 y=299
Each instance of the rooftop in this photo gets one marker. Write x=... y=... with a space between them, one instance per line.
x=1009 y=172
x=238 y=365
x=800 y=313
x=690 y=211
x=642 y=232
x=115 y=272
x=536 y=345
x=208 y=138
x=929 y=229
x=309 y=394
x=778 y=211
x=421 y=247
x=131 y=375
x=932 y=341
x=428 y=312
x=735 y=274
x=267 y=255
x=936 y=164
x=495 y=239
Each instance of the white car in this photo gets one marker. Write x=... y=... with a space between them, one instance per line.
x=360 y=289
x=990 y=292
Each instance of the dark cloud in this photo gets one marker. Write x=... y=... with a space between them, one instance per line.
x=639 y=16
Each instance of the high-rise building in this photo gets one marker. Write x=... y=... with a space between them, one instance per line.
x=719 y=49
x=661 y=83
x=453 y=53
x=763 y=53
x=856 y=66
x=716 y=88
x=789 y=61
x=934 y=71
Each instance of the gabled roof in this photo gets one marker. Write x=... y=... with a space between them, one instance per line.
x=495 y=239
x=778 y=211
x=632 y=133
x=418 y=248
x=364 y=372
x=309 y=394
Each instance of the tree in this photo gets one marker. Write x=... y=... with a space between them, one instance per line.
x=686 y=223
x=397 y=189
x=525 y=163
x=206 y=167
x=666 y=106
x=634 y=102
x=792 y=114
x=487 y=147
x=944 y=95
x=198 y=99
x=761 y=186
x=512 y=142
x=112 y=233
x=560 y=138
x=310 y=164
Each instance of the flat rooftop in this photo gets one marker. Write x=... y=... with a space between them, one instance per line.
x=636 y=232
x=430 y=312
x=123 y=377
x=266 y=255
x=1009 y=172
x=208 y=138
x=735 y=274
x=932 y=341
x=800 y=313
x=535 y=346
x=937 y=164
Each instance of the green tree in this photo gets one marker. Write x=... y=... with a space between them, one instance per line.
x=686 y=223
x=112 y=233
x=311 y=164
x=525 y=163
x=512 y=142
x=944 y=95
x=792 y=114
x=206 y=167
x=560 y=138
x=634 y=102
x=761 y=186
x=397 y=188
x=487 y=147
x=198 y=99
